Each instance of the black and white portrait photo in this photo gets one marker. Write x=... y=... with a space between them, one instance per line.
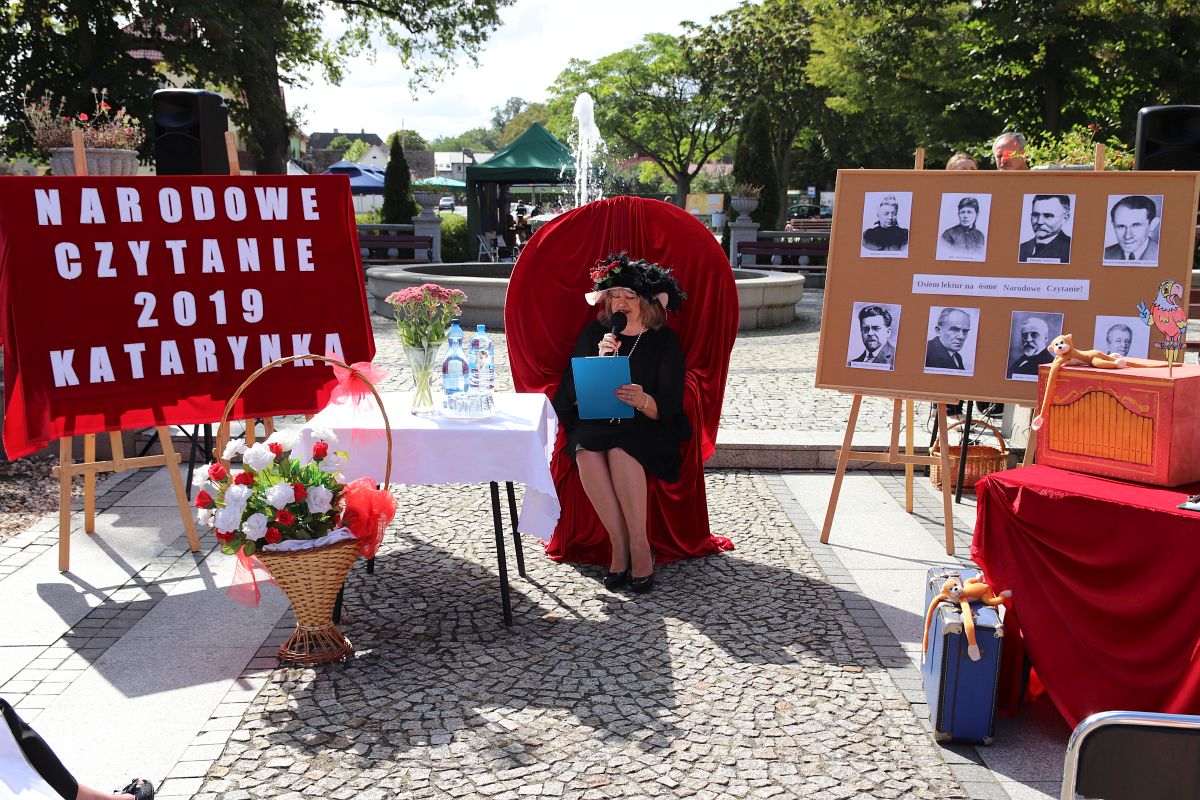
x=1046 y=229
x=1131 y=235
x=873 y=331
x=1128 y=337
x=951 y=337
x=886 y=218
x=1028 y=337
x=963 y=223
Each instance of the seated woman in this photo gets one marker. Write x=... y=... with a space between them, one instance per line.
x=613 y=455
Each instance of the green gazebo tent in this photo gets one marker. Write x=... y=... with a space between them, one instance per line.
x=534 y=157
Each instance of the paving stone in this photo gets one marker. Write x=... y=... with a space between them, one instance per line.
x=740 y=675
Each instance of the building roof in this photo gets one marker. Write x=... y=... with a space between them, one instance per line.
x=319 y=140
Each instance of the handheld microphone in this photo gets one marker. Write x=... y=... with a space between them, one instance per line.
x=616 y=325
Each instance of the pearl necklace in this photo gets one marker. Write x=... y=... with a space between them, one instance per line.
x=635 y=344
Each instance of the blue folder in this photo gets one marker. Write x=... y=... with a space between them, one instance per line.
x=596 y=382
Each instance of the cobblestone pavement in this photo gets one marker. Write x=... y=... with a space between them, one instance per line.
x=770 y=385
x=741 y=675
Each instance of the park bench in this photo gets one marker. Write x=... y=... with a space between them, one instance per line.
x=767 y=249
x=378 y=245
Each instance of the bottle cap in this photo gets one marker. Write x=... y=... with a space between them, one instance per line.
x=480 y=328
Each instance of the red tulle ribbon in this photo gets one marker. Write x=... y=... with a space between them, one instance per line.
x=352 y=386
x=367 y=511
x=244 y=587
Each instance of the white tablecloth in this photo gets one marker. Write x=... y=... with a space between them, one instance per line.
x=514 y=445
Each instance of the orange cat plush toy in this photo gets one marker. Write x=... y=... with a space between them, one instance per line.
x=956 y=591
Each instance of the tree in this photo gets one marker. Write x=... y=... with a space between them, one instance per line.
x=502 y=115
x=357 y=149
x=257 y=49
x=761 y=52
x=409 y=139
x=340 y=142
x=522 y=121
x=68 y=47
x=755 y=164
x=949 y=72
x=398 y=203
x=482 y=139
x=655 y=102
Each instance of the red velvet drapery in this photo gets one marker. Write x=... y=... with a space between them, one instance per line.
x=1103 y=575
x=544 y=313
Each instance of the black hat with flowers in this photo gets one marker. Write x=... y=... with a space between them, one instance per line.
x=647 y=279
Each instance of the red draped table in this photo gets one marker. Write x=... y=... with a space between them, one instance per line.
x=1104 y=575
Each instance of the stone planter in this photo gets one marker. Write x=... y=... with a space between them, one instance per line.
x=427 y=200
x=100 y=161
x=743 y=205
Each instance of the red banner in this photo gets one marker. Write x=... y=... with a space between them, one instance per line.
x=132 y=302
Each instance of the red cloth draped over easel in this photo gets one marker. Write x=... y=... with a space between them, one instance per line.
x=544 y=313
x=1104 y=576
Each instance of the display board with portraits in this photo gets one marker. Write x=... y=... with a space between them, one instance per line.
x=952 y=284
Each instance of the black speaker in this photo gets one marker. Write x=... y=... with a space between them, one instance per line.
x=1168 y=137
x=189 y=132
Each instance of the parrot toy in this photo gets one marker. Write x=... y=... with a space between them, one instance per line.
x=1167 y=315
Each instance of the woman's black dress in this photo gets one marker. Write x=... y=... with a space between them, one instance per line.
x=657 y=365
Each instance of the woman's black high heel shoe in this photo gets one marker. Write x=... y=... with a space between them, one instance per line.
x=642 y=585
x=615 y=580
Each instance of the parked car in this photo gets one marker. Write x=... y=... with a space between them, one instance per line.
x=446 y=204
x=809 y=211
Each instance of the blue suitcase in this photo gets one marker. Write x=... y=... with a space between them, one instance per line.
x=961 y=692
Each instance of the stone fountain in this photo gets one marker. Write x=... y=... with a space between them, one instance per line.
x=765 y=299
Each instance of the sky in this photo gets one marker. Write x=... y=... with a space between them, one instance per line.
x=522 y=58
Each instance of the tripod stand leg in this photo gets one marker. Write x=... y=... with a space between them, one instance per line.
x=843 y=458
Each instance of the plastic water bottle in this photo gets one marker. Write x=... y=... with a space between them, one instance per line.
x=454 y=367
x=482 y=361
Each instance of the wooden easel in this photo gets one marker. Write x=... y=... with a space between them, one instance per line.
x=893 y=455
x=89 y=467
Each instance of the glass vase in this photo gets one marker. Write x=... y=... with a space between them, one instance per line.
x=423 y=361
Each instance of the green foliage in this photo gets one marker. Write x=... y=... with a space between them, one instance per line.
x=398 y=204
x=68 y=47
x=651 y=100
x=755 y=163
x=1078 y=146
x=945 y=72
x=409 y=139
x=455 y=248
x=257 y=49
x=340 y=142
x=357 y=149
x=477 y=139
x=523 y=121
x=232 y=518
x=761 y=51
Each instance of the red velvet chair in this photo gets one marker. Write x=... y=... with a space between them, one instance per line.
x=544 y=313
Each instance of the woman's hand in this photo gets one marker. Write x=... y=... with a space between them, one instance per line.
x=609 y=344
x=632 y=394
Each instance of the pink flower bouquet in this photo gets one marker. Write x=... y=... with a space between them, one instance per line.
x=424 y=313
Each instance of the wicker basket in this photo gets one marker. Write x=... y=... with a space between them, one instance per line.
x=311 y=579
x=982 y=459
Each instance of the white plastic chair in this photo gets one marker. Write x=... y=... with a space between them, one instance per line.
x=1133 y=755
x=487 y=249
